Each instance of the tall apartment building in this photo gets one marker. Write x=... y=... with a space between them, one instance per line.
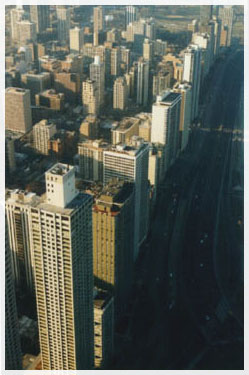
x=217 y=33
x=42 y=132
x=126 y=57
x=125 y=129
x=61 y=228
x=98 y=23
x=36 y=83
x=142 y=82
x=192 y=74
x=10 y=162
x=131 y=163
x=76 y=37
x=91 y=159
x=90 y=99
x=160 y=47
x=63 y=26
x=120 y=94
x=113 y=240
x=161 y=82
x=185 y=115
x=148 y=50
x=103 y=328
x=203 y=40
x=17 y=110
x=113 y=36
x=97 y=74
x=26 y=32
x=131 y=14
x=16 y=15
x=39 y=14
x=165 y=124
x=18 y=204
x=226 y=14
x=13 y=354
x=115 y=61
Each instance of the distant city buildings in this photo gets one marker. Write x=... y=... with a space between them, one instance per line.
x=76 y=40
x=39 y=14
x=63 y=26
x=120 y=94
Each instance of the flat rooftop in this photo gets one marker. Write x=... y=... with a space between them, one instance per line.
x=16 y=90
x=171 y=97
x=80 y=199
x=126 y=123
x=60 y=169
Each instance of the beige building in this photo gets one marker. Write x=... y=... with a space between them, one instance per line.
x=115 y=61
x=90 y=97
x=98 y=19
x=103 y=328
x=62 y=244
x=97 y=74
x=36 y=83
x=161 y=82
x=185 y=114
x=148 y=50
x=125 y=129
x=113 y=239
x=91 y=159
x=120 y=94
x=90 y=127
x=76 y=40
x=63 y=26
x=50 y=99
x=16 y=15
x=26 y=32
x=42 y=132
x=10 y=162
x=17 y=110
x=145 y=126
x=69 y=84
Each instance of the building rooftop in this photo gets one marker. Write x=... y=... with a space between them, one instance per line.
x=126 y=123
x=16 y=90
x=171 y=97
x=60 y=169
x=80 y=199
x=101 y=298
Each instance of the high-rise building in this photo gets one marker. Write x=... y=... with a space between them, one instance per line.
x=90 y=98
x=97 y=74
x=61 y=228
x=76 y=40
x=161 y=82
x=120 y=94
x=36 y=83
x=131 y=163
x=90 y=127
x=91 y=159
x=18 y=204
x=113 y=240
x=217 y=33
x=131 y=14
x=160 y=47
x=148 y=50
x=125 y=129
x=26 y=32
x=98 y=23
x=206 y=12
x=145 y=126
x=16 y=15
x=13 y=354
x=103 y=328
x=42 y=132
x=165 y=124
x=192 y=74
x=150 y=29
x=69 y=84
x=39 y=14
x=203 y=40
x=185 y=115
x=50 y=99
x=126 y=57
x=142 y=82
x=10 y=162
x=115 y=61
x=226 y=14
x=17 y=110
x=63 y=26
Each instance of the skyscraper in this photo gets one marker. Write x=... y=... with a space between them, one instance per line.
x=130 y=163
x=120 y=94
x=16 y=15
x=76 y=40
x=39 y=14
x=115 y=61
x=113 y=240
x=165 y=124
x=148 y=50
x=61 y=229
x=97 y=74
x=185 y=115
x=63 y=26
x=192 y=74
x=206 y=12
x=42 y=132
x=142 y=82
x=226 y=14
x=26 y=32
x=13 y=354
x=131 y=14
x=98 y=19
x=17 y=110
x=90 y=98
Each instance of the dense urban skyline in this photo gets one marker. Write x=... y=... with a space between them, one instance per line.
x=124 y=187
